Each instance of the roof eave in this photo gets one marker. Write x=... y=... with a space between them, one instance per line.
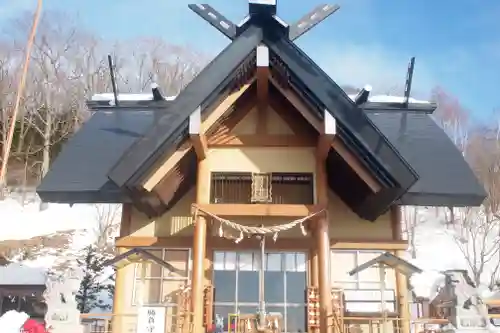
x=441 y=200
x=84 y=197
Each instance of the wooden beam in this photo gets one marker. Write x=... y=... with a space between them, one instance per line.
x=282 y=243
x=384 y=245
x=262 y=88
x=396 y=218
x=258 y=210
x=338 y=145
x=223 y=107
x=265 y=140
x=169 y=162
x=197 y=138
x=240 y=110
x=167 y=165
x=216 y=243
x=325 y=140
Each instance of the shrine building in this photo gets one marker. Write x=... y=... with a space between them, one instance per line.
x=262 y=197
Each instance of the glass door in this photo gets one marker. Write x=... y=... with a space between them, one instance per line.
x=236 y=282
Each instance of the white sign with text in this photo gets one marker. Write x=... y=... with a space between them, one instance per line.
x=151 y=319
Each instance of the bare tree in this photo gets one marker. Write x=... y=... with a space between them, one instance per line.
x=452 y=117
x=411 y=222
x=475 y=232
x=108 y=223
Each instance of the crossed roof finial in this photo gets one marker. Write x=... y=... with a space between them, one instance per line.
x=263 y=12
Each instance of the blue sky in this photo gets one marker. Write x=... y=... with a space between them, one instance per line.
x=456 y=43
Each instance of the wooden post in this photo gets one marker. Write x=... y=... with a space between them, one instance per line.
x=199 y=249
x=401 y=279
x=313 y=261
x=322 y=238
x=121 y=277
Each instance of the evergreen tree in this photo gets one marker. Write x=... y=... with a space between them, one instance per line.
x=93 y=285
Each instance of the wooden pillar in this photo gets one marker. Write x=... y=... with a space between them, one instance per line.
x=199 y=249
x=322 y=240
x=401 y=279
x=313 y=260
x=119 y=301
x=322 y=233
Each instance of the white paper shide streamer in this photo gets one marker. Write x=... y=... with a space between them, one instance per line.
x=244 y=230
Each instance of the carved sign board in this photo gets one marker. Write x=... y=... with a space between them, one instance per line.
x=151 y=319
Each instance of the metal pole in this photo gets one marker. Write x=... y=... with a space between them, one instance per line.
x=113 y=80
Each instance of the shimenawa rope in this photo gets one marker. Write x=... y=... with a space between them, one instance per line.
x=252 y=230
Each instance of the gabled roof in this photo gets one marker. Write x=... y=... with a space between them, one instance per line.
x=390 y=260
x=355 y=129
x=137 y=254
x=153 y=130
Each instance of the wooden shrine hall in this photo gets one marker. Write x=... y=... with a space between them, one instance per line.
x=250 y=196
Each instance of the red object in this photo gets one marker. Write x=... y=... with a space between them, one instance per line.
x=33 y=326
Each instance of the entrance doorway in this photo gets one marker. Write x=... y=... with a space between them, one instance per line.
x=236 y=282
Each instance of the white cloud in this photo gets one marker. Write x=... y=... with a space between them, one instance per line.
x=384 y=69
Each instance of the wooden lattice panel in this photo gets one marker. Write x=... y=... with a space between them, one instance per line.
x=261 y=188
x=338 y=310
x=208 y=298
x=312 y=308
x=183 y=317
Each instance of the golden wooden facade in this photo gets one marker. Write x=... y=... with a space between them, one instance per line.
x=258 y=137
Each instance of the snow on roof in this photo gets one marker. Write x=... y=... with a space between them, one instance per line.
x=127 y=97
x=149 y=97
x=18 y=274
x=390 y=99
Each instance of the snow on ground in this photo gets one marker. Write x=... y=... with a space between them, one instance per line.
x=26 y=221
x=437 y=251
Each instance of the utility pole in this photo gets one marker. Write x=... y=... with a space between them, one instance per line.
x=20 y=89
